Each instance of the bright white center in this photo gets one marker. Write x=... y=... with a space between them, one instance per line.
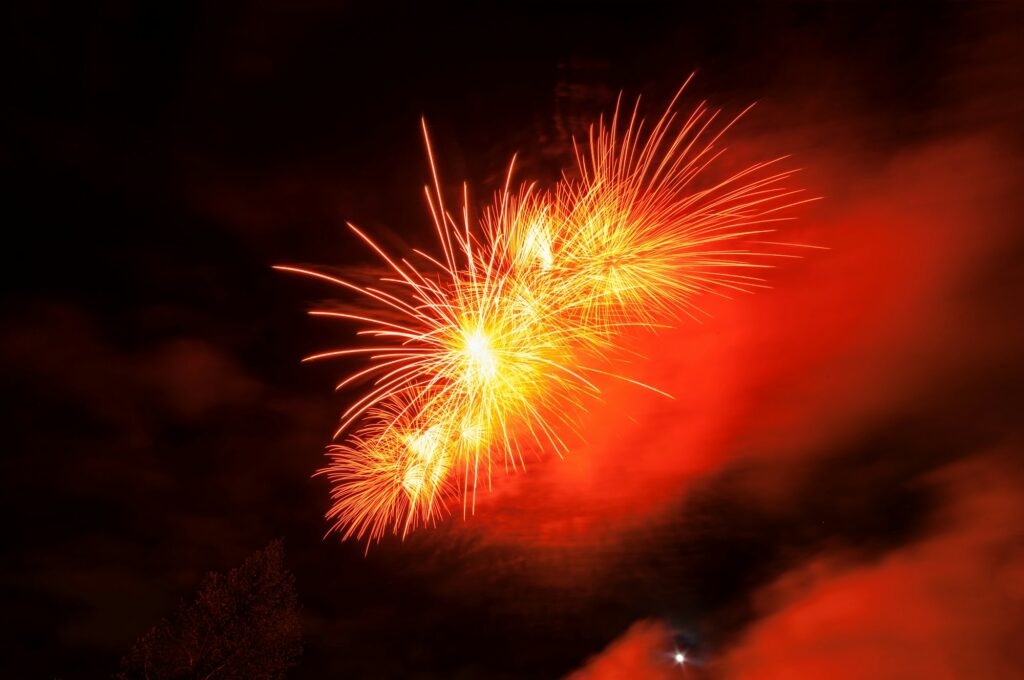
x=480 y=355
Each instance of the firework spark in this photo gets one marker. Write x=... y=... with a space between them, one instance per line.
x=489 y=350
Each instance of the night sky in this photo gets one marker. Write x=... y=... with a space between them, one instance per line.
x=836 y=491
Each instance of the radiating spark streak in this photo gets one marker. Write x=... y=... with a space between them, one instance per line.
x=483 y=353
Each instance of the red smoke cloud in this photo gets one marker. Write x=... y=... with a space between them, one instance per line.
x=845 y=336
x=949 y=606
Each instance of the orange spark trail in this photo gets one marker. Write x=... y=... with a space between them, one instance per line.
x=486 y=352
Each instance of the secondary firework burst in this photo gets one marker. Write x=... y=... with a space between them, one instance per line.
x=487 y=350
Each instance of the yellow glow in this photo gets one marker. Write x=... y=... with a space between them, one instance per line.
x=425 y=444
x=414 y=478
x=472 y=433
x=537 y=244
x=428 y=460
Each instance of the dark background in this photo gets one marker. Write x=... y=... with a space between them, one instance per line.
x=160 y=157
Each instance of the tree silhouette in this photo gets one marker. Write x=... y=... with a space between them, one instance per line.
x=243 y=625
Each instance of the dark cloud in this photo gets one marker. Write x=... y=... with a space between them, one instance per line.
x=184 y=379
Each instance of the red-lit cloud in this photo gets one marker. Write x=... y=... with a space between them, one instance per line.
x=846 y=337
x=948 y=606
x=644 y=652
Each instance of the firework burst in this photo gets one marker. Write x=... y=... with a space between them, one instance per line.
x=489 y=349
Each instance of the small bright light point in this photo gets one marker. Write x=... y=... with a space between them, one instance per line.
x=680 y=658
